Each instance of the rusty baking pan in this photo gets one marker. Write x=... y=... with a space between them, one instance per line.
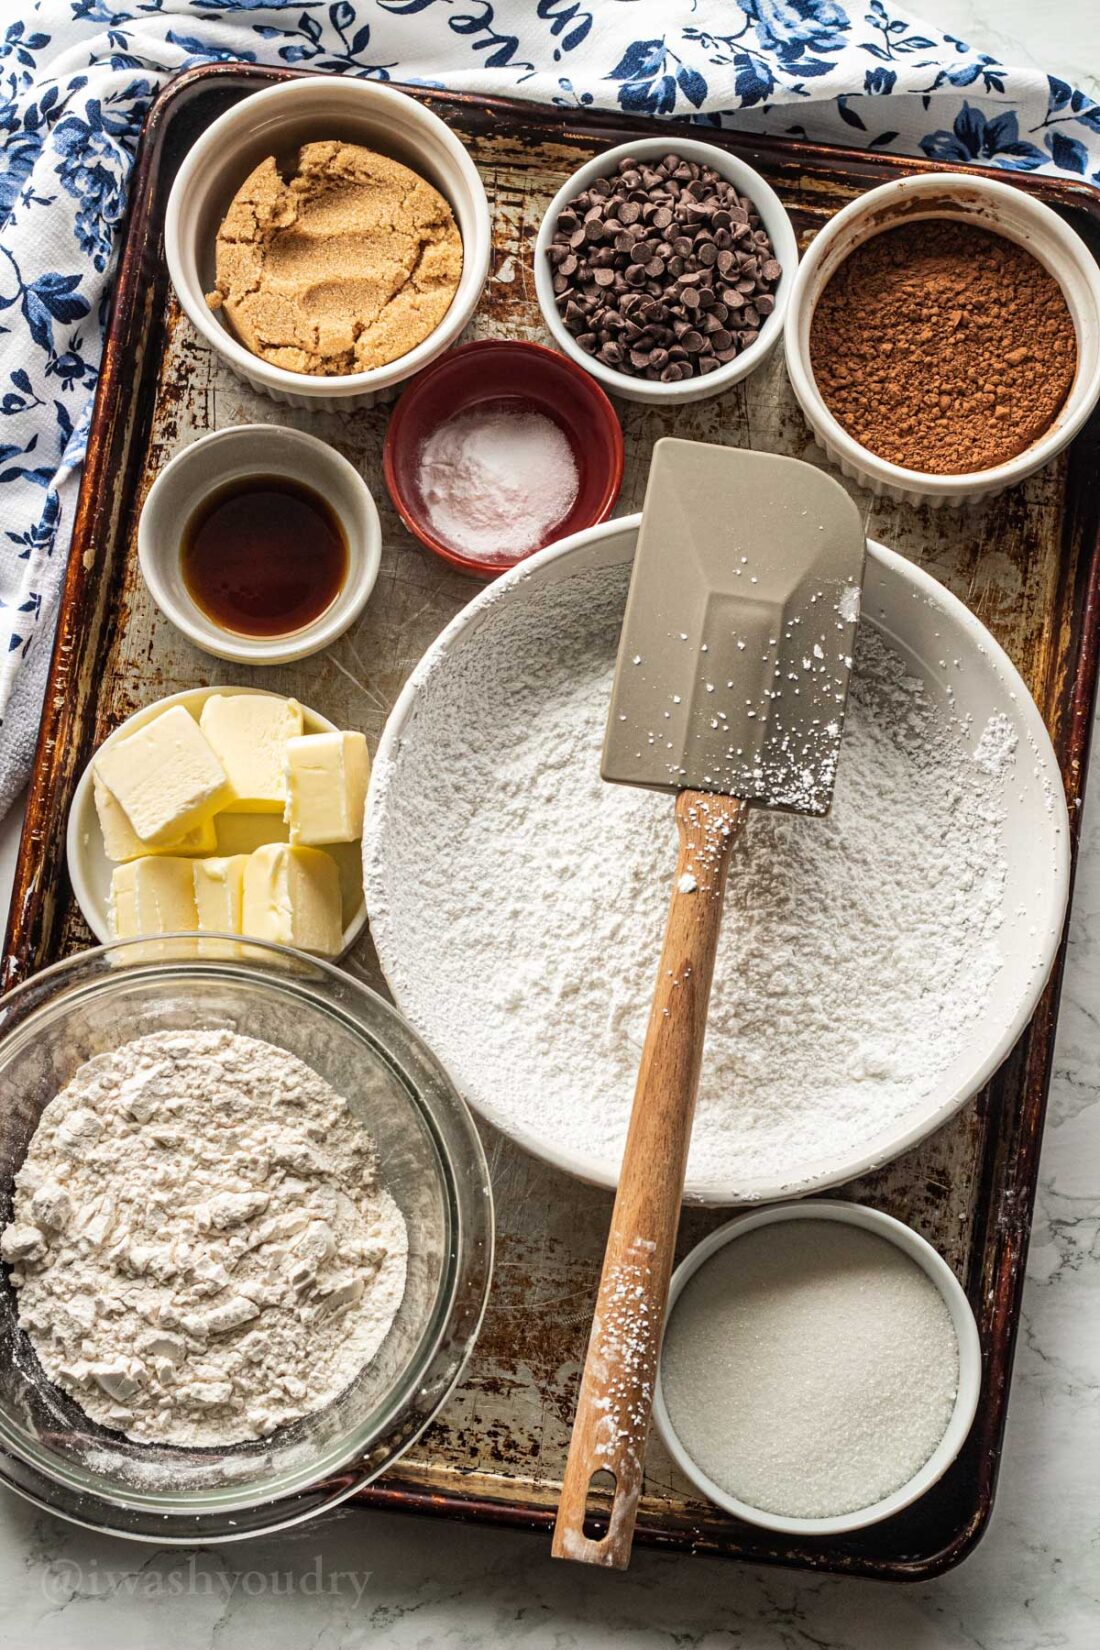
x=1028 y=563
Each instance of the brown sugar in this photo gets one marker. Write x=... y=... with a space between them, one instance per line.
x=942 y=347
x=345 y=264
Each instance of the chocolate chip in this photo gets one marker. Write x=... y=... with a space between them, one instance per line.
x=649 y=264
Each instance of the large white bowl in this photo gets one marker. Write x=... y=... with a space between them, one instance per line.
x=773 y=216
x=954 y=654
x=990 y=205
x=278 y=121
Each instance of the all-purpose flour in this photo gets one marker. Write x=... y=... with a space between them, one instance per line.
x=200 y=1246
x=519 y=904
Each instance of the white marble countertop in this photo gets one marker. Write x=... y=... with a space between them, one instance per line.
x=363 y=1578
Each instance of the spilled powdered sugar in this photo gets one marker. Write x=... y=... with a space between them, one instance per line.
x=201 y=1250
x=521 y=929
x=996 y=748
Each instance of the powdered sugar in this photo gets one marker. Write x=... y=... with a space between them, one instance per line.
x=200 y=1246
x=996 y=747
x=521 y=932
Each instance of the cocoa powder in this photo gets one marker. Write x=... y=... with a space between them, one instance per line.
x=943 y=347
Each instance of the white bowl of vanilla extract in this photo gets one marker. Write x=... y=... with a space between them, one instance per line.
x=261 y=544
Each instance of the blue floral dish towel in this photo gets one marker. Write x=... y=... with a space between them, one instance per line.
x=76 y=77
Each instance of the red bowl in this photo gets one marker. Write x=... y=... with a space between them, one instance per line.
x=543 y=381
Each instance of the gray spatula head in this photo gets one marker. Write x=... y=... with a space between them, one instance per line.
x=736 y=647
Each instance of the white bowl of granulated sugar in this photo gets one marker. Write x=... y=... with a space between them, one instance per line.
x=820 y=1370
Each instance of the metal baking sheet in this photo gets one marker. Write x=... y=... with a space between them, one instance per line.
x=1028 y=563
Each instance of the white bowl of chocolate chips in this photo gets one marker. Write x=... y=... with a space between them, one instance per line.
x=664 y=269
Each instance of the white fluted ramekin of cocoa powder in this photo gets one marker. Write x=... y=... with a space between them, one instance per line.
x=943 y=338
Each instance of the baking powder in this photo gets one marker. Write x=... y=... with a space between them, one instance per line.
x=497 y=480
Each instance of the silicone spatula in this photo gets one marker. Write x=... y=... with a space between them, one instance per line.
x=730 y=691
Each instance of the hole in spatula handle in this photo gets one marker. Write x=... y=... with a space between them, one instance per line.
x=597 y=1510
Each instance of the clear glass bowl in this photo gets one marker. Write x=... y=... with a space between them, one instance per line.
x=431 y=1161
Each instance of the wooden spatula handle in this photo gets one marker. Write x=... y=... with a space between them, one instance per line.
x=616 y=1394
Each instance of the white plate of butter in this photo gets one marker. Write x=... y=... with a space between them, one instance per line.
x=221 y=810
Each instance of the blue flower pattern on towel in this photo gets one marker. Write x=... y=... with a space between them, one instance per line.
x=77 y=76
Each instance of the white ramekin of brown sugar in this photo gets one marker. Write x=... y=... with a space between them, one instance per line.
x=276 y=122
x=981 y=203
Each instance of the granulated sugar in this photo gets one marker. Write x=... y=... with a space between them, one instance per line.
x=521 y=919
x=810 y=1368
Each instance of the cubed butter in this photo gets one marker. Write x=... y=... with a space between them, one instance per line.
x=292 y=897
x=121 y=842
x=153 y=896
x=244 y=833
x=248 y=733
x=165 y=777
x=219 y=893
x=326 y=776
